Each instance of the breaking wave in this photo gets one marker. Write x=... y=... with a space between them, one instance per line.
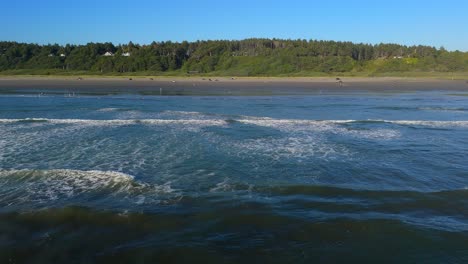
x=260 y=121
x=63 y=185
x=324 y=123
x=117 y=122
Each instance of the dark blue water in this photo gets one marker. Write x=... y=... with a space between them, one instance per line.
x=342 y=177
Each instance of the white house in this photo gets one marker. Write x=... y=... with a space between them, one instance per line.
x=51 y=55
x=108 y=54
x=126 y=54
x=62 y=55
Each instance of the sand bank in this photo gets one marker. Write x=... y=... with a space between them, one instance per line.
x=223 y=85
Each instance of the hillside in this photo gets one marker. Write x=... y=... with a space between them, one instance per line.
x=249 y=57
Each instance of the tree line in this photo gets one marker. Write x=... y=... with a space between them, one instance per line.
x=247 y=57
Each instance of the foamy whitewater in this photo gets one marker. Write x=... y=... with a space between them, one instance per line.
x=290 y=174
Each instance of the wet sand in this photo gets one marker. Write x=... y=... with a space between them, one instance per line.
x=223 y=85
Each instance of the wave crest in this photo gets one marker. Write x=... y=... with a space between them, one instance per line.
x=117 y=122
x=260 y=121
x=45 y=186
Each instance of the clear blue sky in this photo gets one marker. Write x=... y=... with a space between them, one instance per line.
x=436 y=23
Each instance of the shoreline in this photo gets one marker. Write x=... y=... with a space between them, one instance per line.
x=203 y=85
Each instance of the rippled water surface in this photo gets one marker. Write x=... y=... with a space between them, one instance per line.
x=338 y=177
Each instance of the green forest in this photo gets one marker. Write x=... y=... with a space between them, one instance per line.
x=249 y=57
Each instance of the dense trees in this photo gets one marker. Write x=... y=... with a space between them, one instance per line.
x=243 y=57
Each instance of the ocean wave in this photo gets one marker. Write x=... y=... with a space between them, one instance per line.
x=46 y=186
x=435 y=124
x=116 y=190
x=404 y=205
x=183 y=113
x=459 y=195
x=191 y=115
x=117 y=122
x=444 y=109
x=325 y=124
x=422 y=108
x=260 y=121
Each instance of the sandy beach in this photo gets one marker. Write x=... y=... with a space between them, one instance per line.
x=224 y=85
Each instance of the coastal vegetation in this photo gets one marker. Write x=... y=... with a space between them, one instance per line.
x=249 y=57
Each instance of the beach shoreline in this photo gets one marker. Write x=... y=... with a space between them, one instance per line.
x=234 y=84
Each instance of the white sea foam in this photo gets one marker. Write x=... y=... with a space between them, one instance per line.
x=169 y=114
x=436 y=124
x=213 y=122
x=121 y=122
x=183 y=113
x=260 y=121
x=223 y=186
x=26 y=120
x=108 y=109
x=297 y=147
x=43 y=186
x=227 y=186
x=328 y=124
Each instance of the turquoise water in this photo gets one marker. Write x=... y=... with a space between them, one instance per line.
x=330 y=177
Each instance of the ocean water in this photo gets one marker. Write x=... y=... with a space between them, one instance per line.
x=325 y=177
